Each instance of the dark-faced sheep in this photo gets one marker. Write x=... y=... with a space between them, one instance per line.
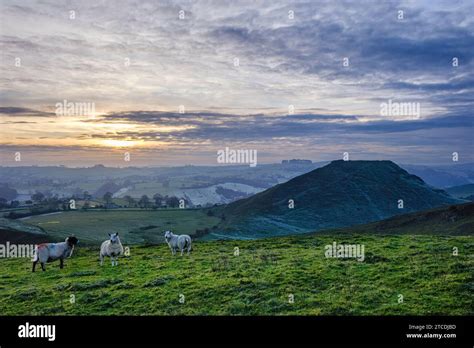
x=49 y=252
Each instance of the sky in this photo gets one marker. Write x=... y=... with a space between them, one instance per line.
x=173 y=82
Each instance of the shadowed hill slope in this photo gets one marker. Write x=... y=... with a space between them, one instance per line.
x=448 y=220
x=341 y=194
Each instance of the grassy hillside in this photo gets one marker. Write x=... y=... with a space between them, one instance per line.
x=451 y=220
x=257 y=282
x=15 y=231
x=343 y=193
x=140 y=226
x=134 y=226
x=461 y=191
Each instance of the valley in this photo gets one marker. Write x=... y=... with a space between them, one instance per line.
x=257 y=256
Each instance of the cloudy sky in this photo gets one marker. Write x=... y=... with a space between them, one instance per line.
x=172 y=82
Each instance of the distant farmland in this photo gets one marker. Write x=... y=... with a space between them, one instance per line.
x=134 y=226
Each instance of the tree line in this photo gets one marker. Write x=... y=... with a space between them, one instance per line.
x=41 y=203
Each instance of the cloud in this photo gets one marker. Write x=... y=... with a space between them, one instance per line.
x=141 y=56
x=228 y=127
x=190 y=62
x=19 y=111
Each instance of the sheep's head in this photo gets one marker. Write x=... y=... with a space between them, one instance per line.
x=72 y=240
x=168 y=235
x=114 y=237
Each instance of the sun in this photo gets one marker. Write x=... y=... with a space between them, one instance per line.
x=118 y=143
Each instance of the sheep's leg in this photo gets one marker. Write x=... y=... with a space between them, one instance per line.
x=43 y=266
x=101 y=259
x=61 y=263
x=34 y=265
x=112 y=258
x=182 y=249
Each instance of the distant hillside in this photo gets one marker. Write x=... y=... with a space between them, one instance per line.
x=7 y=193
x=450 y=220
x=462 y=191
x=107 y=187
x=444 y=176
x=16 y=231
x=341 y=194
x=197 y=183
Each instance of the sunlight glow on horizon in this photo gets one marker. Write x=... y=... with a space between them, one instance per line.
x=118 y=143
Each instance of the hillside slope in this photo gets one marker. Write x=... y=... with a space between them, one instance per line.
x=15 y=231
x=462 y=191
x=134 y=226
x=259 y=281
x=341 y=194
x=450 y=220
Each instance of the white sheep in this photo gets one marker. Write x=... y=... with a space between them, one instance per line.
x=111 y=247
x=48 y=252
x=180 y=242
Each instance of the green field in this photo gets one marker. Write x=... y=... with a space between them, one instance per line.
x=134 y=226
x=257 y=282
x=5 y=212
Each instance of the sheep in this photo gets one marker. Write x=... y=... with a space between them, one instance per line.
x=111 y=247
x=48 y=252
x=178 y=242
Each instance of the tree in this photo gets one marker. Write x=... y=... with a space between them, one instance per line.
x=130 y=200
x=53 y=203
x=172 y=202
x=108 y=198
x=86 y=206
x=3 y=203
x=87 y=196
x=144 y=201
x=158 y=199
x=37 y=197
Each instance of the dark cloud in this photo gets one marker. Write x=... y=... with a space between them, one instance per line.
x=19 y=111
x=219 y=127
